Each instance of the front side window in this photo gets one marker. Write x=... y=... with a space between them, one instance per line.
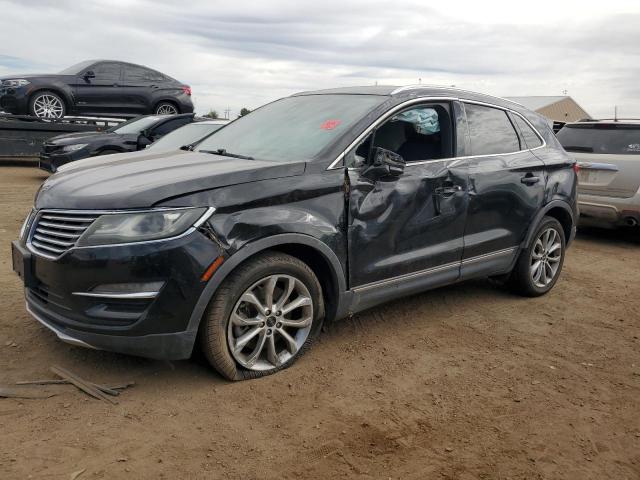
x=490 y=130
x=170 y=126
x=601 y=138
x=417 y=133
x=135 y=125
x=293 y=128
x=107 y=71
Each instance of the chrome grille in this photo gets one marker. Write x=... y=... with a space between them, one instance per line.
x=55 y=232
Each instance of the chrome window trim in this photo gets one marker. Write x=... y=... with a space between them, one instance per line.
x=205 y=216
x=418 y=100
x=432 y=270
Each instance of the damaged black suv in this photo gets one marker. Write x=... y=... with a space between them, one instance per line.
x=311 y=208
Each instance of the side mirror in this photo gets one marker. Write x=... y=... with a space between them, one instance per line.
x=385 y=164
x=144 y=140
x=89 y=74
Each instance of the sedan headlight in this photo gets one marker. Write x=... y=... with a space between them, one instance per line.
x=15 y=82
x=139 y=227
x=74 y=148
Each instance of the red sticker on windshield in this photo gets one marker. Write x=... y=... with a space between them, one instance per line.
x=330 y=124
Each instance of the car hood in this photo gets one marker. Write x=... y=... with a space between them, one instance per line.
x=27 y=76
x=82 y=137
x=141 y=181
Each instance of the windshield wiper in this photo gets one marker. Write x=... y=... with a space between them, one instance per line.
x=188 y=147
x=224 y=153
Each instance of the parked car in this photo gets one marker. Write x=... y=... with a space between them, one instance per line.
x=608 y=153
x=95 y=88
x=310 y=208
x=129 y=136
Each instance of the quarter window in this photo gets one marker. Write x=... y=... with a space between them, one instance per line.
x=490 y=131
x=531 y=139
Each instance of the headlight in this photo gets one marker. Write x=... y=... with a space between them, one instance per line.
x=73 y=148
x=17 y=82
x=139 y=227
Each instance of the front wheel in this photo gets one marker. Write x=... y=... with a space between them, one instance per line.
x=263 y=317
x=538 y=267
x=47 y=105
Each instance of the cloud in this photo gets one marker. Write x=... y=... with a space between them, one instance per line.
x=247 y=53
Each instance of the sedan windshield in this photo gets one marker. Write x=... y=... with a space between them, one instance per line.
x=135 y=125
x=186 y=135
x=78 y=68
x=293 y=128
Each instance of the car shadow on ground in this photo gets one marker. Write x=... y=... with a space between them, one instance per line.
x=618 y=237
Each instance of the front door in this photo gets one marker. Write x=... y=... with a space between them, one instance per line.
x=408 y=227
x=506 y=189
x=101 y=93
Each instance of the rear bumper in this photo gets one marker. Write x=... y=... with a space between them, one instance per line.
x=613 y=211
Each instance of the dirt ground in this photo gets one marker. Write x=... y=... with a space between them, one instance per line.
x=465 y=382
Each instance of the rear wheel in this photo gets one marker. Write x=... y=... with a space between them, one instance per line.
x=263 y=317
x=47 y=105
x=538 y=267
x=166 y=108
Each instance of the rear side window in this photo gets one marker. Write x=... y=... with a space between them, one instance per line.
x=604 y=138
x=134 y=74
x=531 y=139
x=170 y=126
x=490 y=131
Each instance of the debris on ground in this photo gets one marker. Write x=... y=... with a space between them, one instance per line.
x=9 y=392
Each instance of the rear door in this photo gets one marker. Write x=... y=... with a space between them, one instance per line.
x=608 y=155
x=102 y=93
x=507 y=183
x=138 y=88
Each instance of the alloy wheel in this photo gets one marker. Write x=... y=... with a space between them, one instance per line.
x=270 y=322
x=545 y=257
x=166 y=109
x=48 y=106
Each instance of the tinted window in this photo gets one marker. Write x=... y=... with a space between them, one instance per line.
x=77 y=69
x=186 y=135
x=135 y=125
x=294 y=128
x=135 y=74
x=528 y=134
x=107 y=71
x=490 y=130
x=170 y=126
x=601 y=138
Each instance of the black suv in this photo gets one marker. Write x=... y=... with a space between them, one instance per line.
x=130 y=136
x=308 y=209
x=95 y=87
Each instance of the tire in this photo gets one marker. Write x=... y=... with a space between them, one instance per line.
x=530 y=281
x=166 y=108
x=219 y=334
x=47 y=104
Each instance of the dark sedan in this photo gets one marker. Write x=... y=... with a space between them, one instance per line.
x=129 y=136
x=95 y=87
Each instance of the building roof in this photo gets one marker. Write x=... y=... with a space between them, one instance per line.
x=537 y=102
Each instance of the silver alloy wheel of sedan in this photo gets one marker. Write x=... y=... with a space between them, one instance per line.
x=545 y=257
x=270 y=322
x=166 y=109
x=48 y=106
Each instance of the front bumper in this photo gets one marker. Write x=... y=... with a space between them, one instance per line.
x=50 y=160
x=14 y=100
x=614 y=211
x=156 y=327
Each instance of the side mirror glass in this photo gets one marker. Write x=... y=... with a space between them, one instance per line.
x=385 y=164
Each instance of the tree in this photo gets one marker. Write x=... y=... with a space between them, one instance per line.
x=212 y=114
x=244 y=111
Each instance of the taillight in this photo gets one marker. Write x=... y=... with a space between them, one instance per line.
x=576 y=167
x=186 y=89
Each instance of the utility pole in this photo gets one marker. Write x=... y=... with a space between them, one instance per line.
x=226 y=113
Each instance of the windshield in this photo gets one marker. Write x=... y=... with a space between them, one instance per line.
x=186 y=135
x=77 y=68
x=293 y=128
x=135 y=125
x=601 y=138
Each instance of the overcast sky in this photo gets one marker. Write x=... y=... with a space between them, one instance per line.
x=246 y=53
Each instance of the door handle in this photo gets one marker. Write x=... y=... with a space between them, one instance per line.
x=448 y=190
x=529 y=179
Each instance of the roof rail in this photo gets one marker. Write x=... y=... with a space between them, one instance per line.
x=421 y=85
